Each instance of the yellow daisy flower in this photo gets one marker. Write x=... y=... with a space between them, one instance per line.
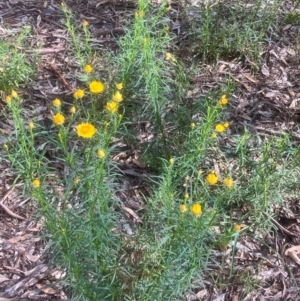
x=226 y=125
x=193 y=125
x=73 y=110
x=85 y=23
x=168 y=56
x=220 y=128
x=88 y=68
x=223 y=101
x=211 y=178
x=96 y=87
x=112 y=106
x=119 y=86
x=214 y=135
x=56 y=102
x=14 y=94
x=183 y=208
x=31 y=125
x=78 y=93
x=86 y=130
x=77 y=180
x=186 y=196
x=8 y=99
x=196 y=209
x=36 y=183
x=228 y=182
x=101 y=153
x=118 y=97
x=58 y=119
x=171 y=161
x=237 y=227
x=139 y=14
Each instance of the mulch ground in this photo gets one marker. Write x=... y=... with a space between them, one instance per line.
x=267 y=103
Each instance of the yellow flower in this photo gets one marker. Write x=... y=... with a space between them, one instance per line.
x=78 y=93
x=14 y=94
x=196 y=209
x=220 y=128
x=101 y=153
x=171 y=161
x=73 y=110
x=211 y=178
x=200 y=172
x=8 y=99
x=31 y=125
x=96 y=87
x=223 y=101
x=5 y=146
x=58 y=119
x=183 y=208
x=228 y=182
x=56 y=102
x=226 y=125
x=237 y=227
x=36 y=183
x=77 y=180
x=85 y=23
x=168 y=56
x=118 y=97
x=168 y=8
x=139 y=14
x=119 y=86
x=112 y=106
x=214 y=135
x=186 y=196
x=86 y=130
x=88 y=68
x=193 y=125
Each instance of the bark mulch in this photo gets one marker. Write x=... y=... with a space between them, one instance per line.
x=267 y=103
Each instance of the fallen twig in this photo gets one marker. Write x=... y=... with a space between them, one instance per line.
x=7 y=209
x=286 y=231
x=66 y=84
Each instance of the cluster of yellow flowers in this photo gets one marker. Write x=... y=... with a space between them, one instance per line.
x=170 y=57
x=212 y=179
x=113 y=105
x=196 y=209
x=12 y=95
x=87 y=130
x=223 y=101
x=221 y=127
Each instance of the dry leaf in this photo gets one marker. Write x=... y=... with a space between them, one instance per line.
x=46 y=289
x=3 y=278
x=293 y=252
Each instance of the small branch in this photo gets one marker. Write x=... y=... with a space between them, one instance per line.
x=284 y=230
x=7 y=209
x=56 y=72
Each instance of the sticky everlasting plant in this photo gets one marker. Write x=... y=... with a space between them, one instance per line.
x=198 y=169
